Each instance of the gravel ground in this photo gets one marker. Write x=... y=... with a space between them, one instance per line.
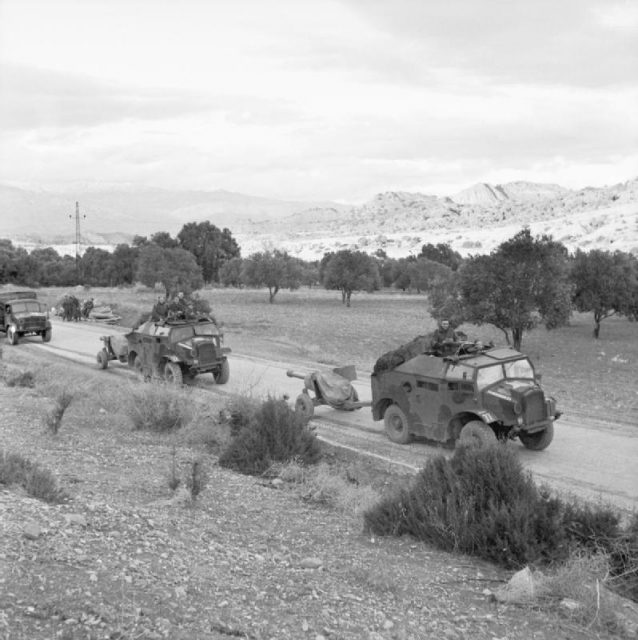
x=127 y=557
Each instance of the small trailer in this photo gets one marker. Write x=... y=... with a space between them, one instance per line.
x=333 y=388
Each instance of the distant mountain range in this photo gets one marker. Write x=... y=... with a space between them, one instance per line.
x=474 y=220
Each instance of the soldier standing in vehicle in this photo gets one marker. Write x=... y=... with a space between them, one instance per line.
x=444 y=334
x=160 y=310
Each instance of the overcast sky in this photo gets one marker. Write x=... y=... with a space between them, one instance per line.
x=323 y=100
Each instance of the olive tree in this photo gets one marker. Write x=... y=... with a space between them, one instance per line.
x=521 y=284
x=176 y=269
x=274 y=269
x=606 y=284
x=349 y=271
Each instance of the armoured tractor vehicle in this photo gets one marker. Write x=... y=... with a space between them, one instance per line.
x=476 y=394
x=22 y=315
x=174 y=350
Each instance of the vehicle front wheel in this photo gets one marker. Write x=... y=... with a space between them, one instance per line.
x=173 y=373
x=223 y=375
x=12 y=335
x=304 y=406
x=102 y=359
x=539 y=440
x=46 y=335
x=396 y=425
x=478 y=434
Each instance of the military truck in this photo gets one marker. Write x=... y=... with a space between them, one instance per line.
x=174 y=350
x=22 y=315
x=476 y=395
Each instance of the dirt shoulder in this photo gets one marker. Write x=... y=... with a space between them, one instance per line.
x=126 y=557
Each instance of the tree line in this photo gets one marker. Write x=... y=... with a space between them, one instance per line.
x=525 y=282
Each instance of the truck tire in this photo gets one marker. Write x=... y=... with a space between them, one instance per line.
x=396 y=425
x=304 y=406
x=12 y=335
x=539 y=440
x=102 y=359
x=477 y=434
x=173 y=374
x=223 y=375
x=46 y=335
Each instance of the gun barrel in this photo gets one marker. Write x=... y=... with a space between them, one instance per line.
x=295 y=374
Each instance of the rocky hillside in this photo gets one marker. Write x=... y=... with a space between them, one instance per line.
x=474 y=220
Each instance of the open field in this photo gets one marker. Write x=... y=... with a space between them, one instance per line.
x=587 y=376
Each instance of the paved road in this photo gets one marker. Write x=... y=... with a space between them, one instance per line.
x=590 y=459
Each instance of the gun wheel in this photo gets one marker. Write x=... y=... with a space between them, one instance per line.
x=304 y=406
x=102 y=359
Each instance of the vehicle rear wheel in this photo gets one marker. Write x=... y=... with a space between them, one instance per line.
x=476 y=433
x=304 y=406
x=539 y=440
x=102 y=359
x=396 y=425
x=46 y=335
x=222 y=376
x=173 y=373
x=12 y=335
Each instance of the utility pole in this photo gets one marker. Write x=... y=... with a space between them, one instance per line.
x=78 y=239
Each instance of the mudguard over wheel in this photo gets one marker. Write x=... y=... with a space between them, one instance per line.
x=46 y=335
x=396 y=425
x=477 y=433
x=12 y=335
x=173 y=374
x=223 y=375
x=102 y=359
x=539 y=440
x=304 y=406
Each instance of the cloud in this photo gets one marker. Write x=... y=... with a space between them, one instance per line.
x=544 y=41
x=39 y=98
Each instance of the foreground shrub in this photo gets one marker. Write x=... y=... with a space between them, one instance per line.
x=21 y=379
x=53 y=419
x=272 y=432
x=482 y=503
x=158 y=407
x=479 y=502
x=34 y=479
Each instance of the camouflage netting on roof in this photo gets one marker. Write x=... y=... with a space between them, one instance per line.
x=394 y=358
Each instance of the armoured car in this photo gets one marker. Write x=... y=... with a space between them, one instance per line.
x=482 y=395
x=21 y=315
x=173 y=350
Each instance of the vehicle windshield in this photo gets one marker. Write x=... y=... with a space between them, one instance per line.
x=181 y=333
x=26 y=306
x=205 y=329
x=517 y=369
